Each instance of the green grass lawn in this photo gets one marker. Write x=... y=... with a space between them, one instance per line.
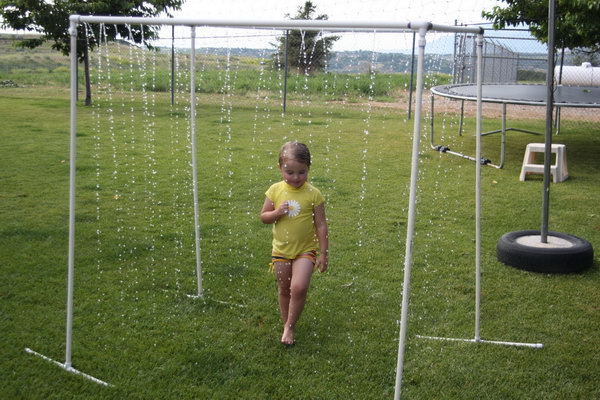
x=136 y=328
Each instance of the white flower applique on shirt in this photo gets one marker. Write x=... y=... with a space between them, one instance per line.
x=293 y=208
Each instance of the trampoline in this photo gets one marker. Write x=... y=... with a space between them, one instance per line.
x=520 y=94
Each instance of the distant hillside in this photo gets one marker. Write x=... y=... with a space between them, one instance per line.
x=13 y=57
x=44 y=57
x=347 y=61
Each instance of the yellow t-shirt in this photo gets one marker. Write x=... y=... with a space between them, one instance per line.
x=295 y=233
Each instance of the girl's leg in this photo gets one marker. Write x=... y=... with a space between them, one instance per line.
x=283 y=273
x=302 y=269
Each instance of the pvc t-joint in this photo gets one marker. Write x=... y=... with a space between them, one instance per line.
x=74 y=21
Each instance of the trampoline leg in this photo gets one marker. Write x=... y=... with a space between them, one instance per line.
x=503 y=140
x=462 y=117
x=431 y=125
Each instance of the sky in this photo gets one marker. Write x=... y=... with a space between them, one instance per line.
x=437 y=11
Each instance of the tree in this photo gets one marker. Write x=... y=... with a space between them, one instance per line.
x=309 y=50
x=585 y=55
x=51 y=19
x=577 y=23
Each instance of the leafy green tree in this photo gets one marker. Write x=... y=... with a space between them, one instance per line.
x=577 y=21
x=51 y=20
x=308 y=50
x=585 y=55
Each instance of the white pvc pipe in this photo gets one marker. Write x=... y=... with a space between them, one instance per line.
x=479 y=116
x=194 y=160
x=478 y=191
x=280 y=24
x=412 y=204
x=67 y=368
x=517 y=344
x=420 y=26
x=72 y=172
x=67 y=365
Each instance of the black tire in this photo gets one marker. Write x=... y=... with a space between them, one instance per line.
x=576 y=256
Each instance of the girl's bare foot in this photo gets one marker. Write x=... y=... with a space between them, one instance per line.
x=288 y=336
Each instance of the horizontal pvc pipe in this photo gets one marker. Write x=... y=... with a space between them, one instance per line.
x=279 y=24
x=518 y=344
x=67 y=368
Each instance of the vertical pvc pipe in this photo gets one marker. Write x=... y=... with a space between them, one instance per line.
x=412 y=73
x=478 y=190
x=549 y=107
x=285 y=71
x=173 y=65
x=412 y=204
x=72 y=172
x=194 y=159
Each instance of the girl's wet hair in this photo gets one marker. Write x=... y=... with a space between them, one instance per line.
x=294 y=151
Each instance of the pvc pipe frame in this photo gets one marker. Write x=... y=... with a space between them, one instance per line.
x=200 y=293
x=420 y=26
x=518 y=344
x=318 y=25
x=478 y=135
x=72 y=174
x=67 y=368
x=412 y=204
x=67 y=365
x=411 y=217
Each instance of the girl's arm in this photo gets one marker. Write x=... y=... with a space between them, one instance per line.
x=323 y=236
x=270 y=215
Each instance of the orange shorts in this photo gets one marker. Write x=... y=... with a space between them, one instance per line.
x=311 y=255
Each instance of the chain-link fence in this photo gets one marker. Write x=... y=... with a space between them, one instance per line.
x=513 y=56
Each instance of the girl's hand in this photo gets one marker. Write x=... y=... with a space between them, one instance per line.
x=283 y=209
x=269 y=214
x=321 y=263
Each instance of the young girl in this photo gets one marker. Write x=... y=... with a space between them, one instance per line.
x=297 y=210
